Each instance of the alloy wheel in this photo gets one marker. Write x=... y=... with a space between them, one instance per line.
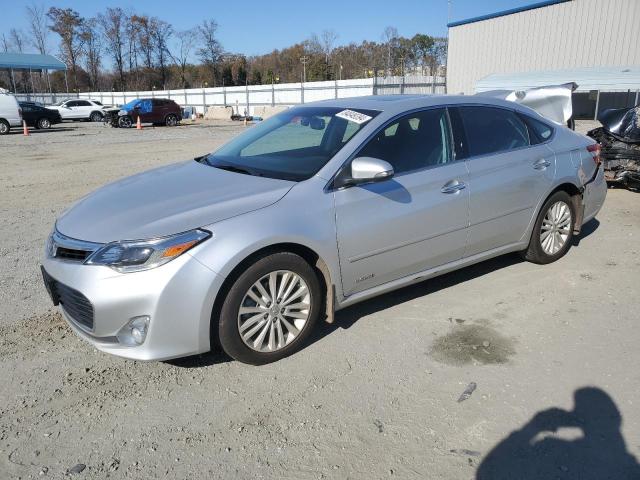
x=274 y=311
x=45 y=123
x=556 y=228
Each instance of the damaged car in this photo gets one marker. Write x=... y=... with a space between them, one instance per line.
x=157 y=111
x=315 y=209
x=619 y=138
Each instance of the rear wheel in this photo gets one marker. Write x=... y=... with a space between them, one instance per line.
x=171 y=120
x=553 y=231
x=43 y=123
x=96 y=117
x=4 y=127
x=270 y=309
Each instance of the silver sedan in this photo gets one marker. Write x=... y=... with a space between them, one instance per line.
x=315 y=209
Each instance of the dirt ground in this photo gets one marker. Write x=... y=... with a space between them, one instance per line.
x=551 y=350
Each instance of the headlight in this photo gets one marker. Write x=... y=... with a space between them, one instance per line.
x=133 y=256
x=122 y=113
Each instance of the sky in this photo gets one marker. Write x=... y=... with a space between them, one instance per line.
x=256 y=27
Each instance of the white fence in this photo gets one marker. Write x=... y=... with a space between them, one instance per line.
x=245 y=99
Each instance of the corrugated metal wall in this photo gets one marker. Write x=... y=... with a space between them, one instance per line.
x=580 y=33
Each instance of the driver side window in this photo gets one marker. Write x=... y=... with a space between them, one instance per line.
x=413 y=142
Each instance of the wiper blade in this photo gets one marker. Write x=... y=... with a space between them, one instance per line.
x=233 y=168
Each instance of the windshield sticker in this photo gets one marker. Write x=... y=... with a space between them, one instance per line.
x=353 y=116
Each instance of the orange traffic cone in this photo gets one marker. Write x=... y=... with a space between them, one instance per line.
x=25 y=129
x=139 y=124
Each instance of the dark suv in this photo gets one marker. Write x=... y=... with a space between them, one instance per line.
x=158 y=111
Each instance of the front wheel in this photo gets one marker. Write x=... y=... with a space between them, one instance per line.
x=270 y=309
x=96 y=117
x=43 y=123
x=125 y=121
x=4 y=127
x=553 y=232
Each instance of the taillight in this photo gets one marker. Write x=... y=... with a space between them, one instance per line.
x=594 y=150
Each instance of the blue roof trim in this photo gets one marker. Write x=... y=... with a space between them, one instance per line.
x=34 y=61
x=503 y=13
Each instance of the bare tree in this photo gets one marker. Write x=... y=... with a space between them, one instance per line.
x=67 y=23
x=210 y=49
x=113 y=28
x=328 y=40
x=144 y=28
x=92 y=42
x=186 y=42
x=390 y=38
x=5 y=44
x=38 y=27
x=162 y=32
x=17 y=40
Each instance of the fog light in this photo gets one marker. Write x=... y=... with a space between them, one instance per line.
x=135 y=331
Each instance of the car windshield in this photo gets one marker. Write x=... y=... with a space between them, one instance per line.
x=292 y=145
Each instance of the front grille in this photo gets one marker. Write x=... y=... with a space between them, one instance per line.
x=71 y=254
x=70 y=249
x=75 y=304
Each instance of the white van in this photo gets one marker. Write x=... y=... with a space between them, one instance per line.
x=10 y=112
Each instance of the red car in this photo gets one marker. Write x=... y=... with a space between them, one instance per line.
x=159 y=111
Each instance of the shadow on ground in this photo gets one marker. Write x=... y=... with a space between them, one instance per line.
x=537 y=451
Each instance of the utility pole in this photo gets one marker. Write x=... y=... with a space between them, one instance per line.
x=304 y=59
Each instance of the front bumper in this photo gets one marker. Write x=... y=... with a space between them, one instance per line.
x=178 y=297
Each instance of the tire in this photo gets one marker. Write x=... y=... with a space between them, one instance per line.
x=548 y=247
x=270 y=331
x=96 y=117
x=125 y=122
x=171 y=120
x=4 y=127
x=43 y=123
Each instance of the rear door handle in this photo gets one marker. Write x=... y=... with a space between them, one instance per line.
x=541 y=164
x=454 y=186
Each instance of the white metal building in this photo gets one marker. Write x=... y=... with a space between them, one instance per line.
x=554 y=35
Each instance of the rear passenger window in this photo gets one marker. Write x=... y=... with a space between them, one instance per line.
x=492 y=130
x=413 y=142
x=539 y=132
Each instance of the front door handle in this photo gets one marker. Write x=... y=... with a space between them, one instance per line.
x=454 y=186
x=541 y=164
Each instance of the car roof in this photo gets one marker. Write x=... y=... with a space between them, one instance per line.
x=400 y=103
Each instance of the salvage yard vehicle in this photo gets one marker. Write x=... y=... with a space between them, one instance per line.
x=619 y=138
x=315 y=209
x=80 y=109
x=39 y=117
x=158 y=111
x=10 y=112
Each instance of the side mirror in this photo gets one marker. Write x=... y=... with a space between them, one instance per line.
x=369 y=169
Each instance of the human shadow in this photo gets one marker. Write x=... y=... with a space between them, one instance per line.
x=537 y=452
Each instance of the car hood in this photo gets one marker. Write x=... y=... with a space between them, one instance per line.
x=166 y=201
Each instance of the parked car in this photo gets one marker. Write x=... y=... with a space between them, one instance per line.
x=39 y=117
x=158 y=111
x=10 y=113
x=80 y=109
x=317 y=208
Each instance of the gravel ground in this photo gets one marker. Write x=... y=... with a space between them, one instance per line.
x=376 y=395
